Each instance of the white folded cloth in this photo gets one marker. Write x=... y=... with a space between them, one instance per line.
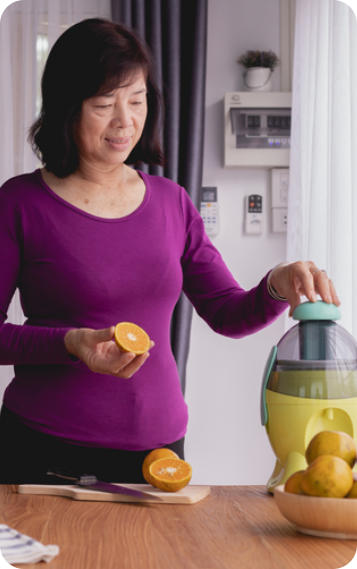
x=16 y=547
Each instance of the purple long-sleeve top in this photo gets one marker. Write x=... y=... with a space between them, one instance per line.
x=74 y=269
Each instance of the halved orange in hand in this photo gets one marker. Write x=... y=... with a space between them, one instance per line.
x=131 y=338
x=170 y=474
x=153 y=455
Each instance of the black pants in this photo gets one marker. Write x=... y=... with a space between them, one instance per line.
x=27 y=455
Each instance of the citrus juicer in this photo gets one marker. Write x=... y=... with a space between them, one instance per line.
x=309 y=385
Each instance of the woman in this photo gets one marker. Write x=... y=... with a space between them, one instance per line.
x=90 y=242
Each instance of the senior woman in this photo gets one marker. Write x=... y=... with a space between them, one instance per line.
x=89 y=242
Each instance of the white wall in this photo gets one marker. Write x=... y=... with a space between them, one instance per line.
x=226 y=443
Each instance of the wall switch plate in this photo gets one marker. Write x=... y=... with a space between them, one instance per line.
x=279 y=187
x=279 y=219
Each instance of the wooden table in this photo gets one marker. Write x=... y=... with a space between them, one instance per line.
x=235 y=527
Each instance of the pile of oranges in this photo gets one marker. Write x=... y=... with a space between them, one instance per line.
x=330 y=456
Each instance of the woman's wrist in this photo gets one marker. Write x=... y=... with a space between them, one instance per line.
x=70 y=343
x=272 y=290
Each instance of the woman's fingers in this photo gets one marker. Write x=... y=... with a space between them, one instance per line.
x=133 y=366
x=294 y=297
x=304 y=279
x=103 y=335
x=101 y=354
x=334 y=294
x=322 y=285
x=301 y=278
x=113 y=361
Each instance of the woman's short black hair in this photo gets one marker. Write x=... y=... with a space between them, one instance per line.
x=91 y=57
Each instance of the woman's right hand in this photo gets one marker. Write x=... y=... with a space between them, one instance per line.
x=98 y=350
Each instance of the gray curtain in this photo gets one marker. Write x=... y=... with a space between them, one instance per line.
x=176 y=32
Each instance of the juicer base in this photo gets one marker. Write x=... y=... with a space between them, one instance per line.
x=294 y=462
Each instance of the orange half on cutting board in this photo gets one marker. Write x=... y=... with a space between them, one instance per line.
x=170 y=474
x=155 y=455
x=131 y=338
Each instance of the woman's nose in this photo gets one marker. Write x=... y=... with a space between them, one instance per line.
x=121 y=117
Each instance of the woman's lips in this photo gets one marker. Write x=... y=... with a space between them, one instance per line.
x=118 y=143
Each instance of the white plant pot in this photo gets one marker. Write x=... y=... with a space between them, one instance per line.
x=258 y=79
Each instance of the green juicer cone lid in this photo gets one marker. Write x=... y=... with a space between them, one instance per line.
x=318 y=310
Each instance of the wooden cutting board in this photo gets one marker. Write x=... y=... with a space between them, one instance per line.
x=188 y=495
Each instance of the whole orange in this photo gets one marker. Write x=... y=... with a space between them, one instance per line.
x=336 y=443
x=353 y=492
x=328 y=476
x=293 y=483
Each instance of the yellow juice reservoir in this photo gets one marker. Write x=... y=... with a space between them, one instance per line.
x=309 y=385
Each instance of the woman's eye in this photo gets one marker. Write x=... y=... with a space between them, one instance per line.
x=102 y=106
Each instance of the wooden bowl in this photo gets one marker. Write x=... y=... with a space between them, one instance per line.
x=324 y=517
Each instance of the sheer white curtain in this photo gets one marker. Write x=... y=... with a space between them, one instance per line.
x=28 y=28
x=322 y=208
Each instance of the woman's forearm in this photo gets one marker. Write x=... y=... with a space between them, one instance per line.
x=25 y=344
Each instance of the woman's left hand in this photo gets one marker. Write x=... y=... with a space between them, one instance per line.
x=293 y=280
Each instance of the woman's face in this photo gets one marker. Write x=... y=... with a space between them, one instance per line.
x=110 y=125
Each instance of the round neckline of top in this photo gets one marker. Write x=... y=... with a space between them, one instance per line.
x=91 y=215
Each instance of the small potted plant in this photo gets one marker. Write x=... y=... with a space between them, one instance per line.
x=259 y=66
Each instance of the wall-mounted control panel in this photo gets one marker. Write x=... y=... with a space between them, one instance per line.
x=257 y=126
